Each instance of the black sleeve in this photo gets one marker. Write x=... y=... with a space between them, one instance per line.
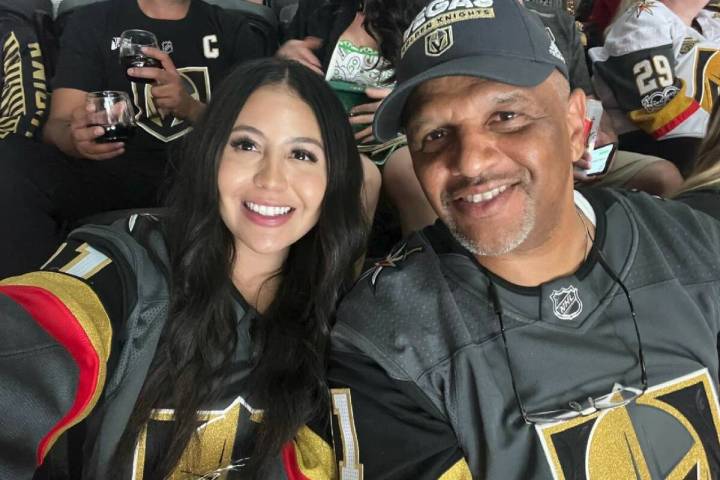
x=248 y=41
x=23 y=89
x=106 y=282
x=579 y=73
x=705 y=200
x=385 y=427
x=81 y=64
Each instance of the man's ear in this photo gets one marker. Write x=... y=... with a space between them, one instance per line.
x=576 y=122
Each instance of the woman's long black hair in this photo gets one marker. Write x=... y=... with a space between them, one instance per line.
x=290 y=340
x=387 y=20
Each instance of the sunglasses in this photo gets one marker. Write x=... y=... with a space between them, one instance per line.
x=620 y=396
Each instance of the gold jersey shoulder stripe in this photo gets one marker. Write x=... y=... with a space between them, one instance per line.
x=88 y=310
x=660 y=122
x=12 y=101
x=459 y=471
x=315 y=457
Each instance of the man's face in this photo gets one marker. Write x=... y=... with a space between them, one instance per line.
x=495 y=160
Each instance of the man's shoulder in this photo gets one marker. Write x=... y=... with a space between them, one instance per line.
x=403 y=312
x=411 y=259
x=686 y=239
x=227 y=19
x=642 y=26
x=92 y=10
x=90 y=19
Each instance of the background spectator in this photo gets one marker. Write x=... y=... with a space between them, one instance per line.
x=49 y=188
x=657 y=75
x=702 y=188
x=206 y=311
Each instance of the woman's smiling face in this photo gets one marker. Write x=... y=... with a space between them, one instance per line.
x=273 y=174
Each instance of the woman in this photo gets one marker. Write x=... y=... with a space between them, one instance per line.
x=702 y=188
x=353 y=42
x=216 y=359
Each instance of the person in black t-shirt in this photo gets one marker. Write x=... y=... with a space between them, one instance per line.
x=49 y=188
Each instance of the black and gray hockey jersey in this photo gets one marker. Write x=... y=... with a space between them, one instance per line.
x=79 y=337
x=421 y=381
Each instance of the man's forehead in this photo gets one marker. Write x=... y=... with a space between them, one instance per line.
x=436 y=91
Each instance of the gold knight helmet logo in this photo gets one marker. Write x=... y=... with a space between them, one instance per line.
x=162 y=125
x=212 y=449
x=670 y=432
x=439 y=41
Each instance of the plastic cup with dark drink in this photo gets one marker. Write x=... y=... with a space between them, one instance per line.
x=113 y=112
x=131 y=55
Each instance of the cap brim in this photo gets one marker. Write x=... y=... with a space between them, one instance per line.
x=513 y=71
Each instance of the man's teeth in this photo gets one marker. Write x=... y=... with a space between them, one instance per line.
x=485 y=196
x=266 y=210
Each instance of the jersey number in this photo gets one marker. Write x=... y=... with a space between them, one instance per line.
x=651 y=73
x=350 y=466
x=87 y=263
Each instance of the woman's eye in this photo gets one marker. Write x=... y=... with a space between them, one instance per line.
x=243 y=144
x=304 y=155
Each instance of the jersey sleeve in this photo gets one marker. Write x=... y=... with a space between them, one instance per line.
x=55 y=348
x=384 y=429
x=80 y=62
x=638 y=65
x=579 y=74
x=310 y=455
x=23 y=88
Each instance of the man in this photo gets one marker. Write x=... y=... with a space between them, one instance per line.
x=532 y=332
x=43 y=189
x=658 y=75
x=627 y=169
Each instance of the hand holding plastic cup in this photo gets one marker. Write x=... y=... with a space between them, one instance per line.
x=112 y=111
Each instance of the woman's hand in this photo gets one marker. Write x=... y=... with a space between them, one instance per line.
x=302 y=51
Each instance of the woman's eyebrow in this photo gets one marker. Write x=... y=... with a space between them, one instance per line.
x=306 y=140
x=247 y=128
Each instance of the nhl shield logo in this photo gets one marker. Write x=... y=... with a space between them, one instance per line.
x=566 y=303
x=439 y=41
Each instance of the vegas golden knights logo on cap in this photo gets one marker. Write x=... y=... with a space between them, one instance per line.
x=439 y=41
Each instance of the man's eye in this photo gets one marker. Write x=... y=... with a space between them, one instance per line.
x=507 y=116
x=435 y=135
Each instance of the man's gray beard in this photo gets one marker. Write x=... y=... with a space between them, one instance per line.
x=507 y=245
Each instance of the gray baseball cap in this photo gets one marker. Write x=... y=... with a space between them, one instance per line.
x=493 y=39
